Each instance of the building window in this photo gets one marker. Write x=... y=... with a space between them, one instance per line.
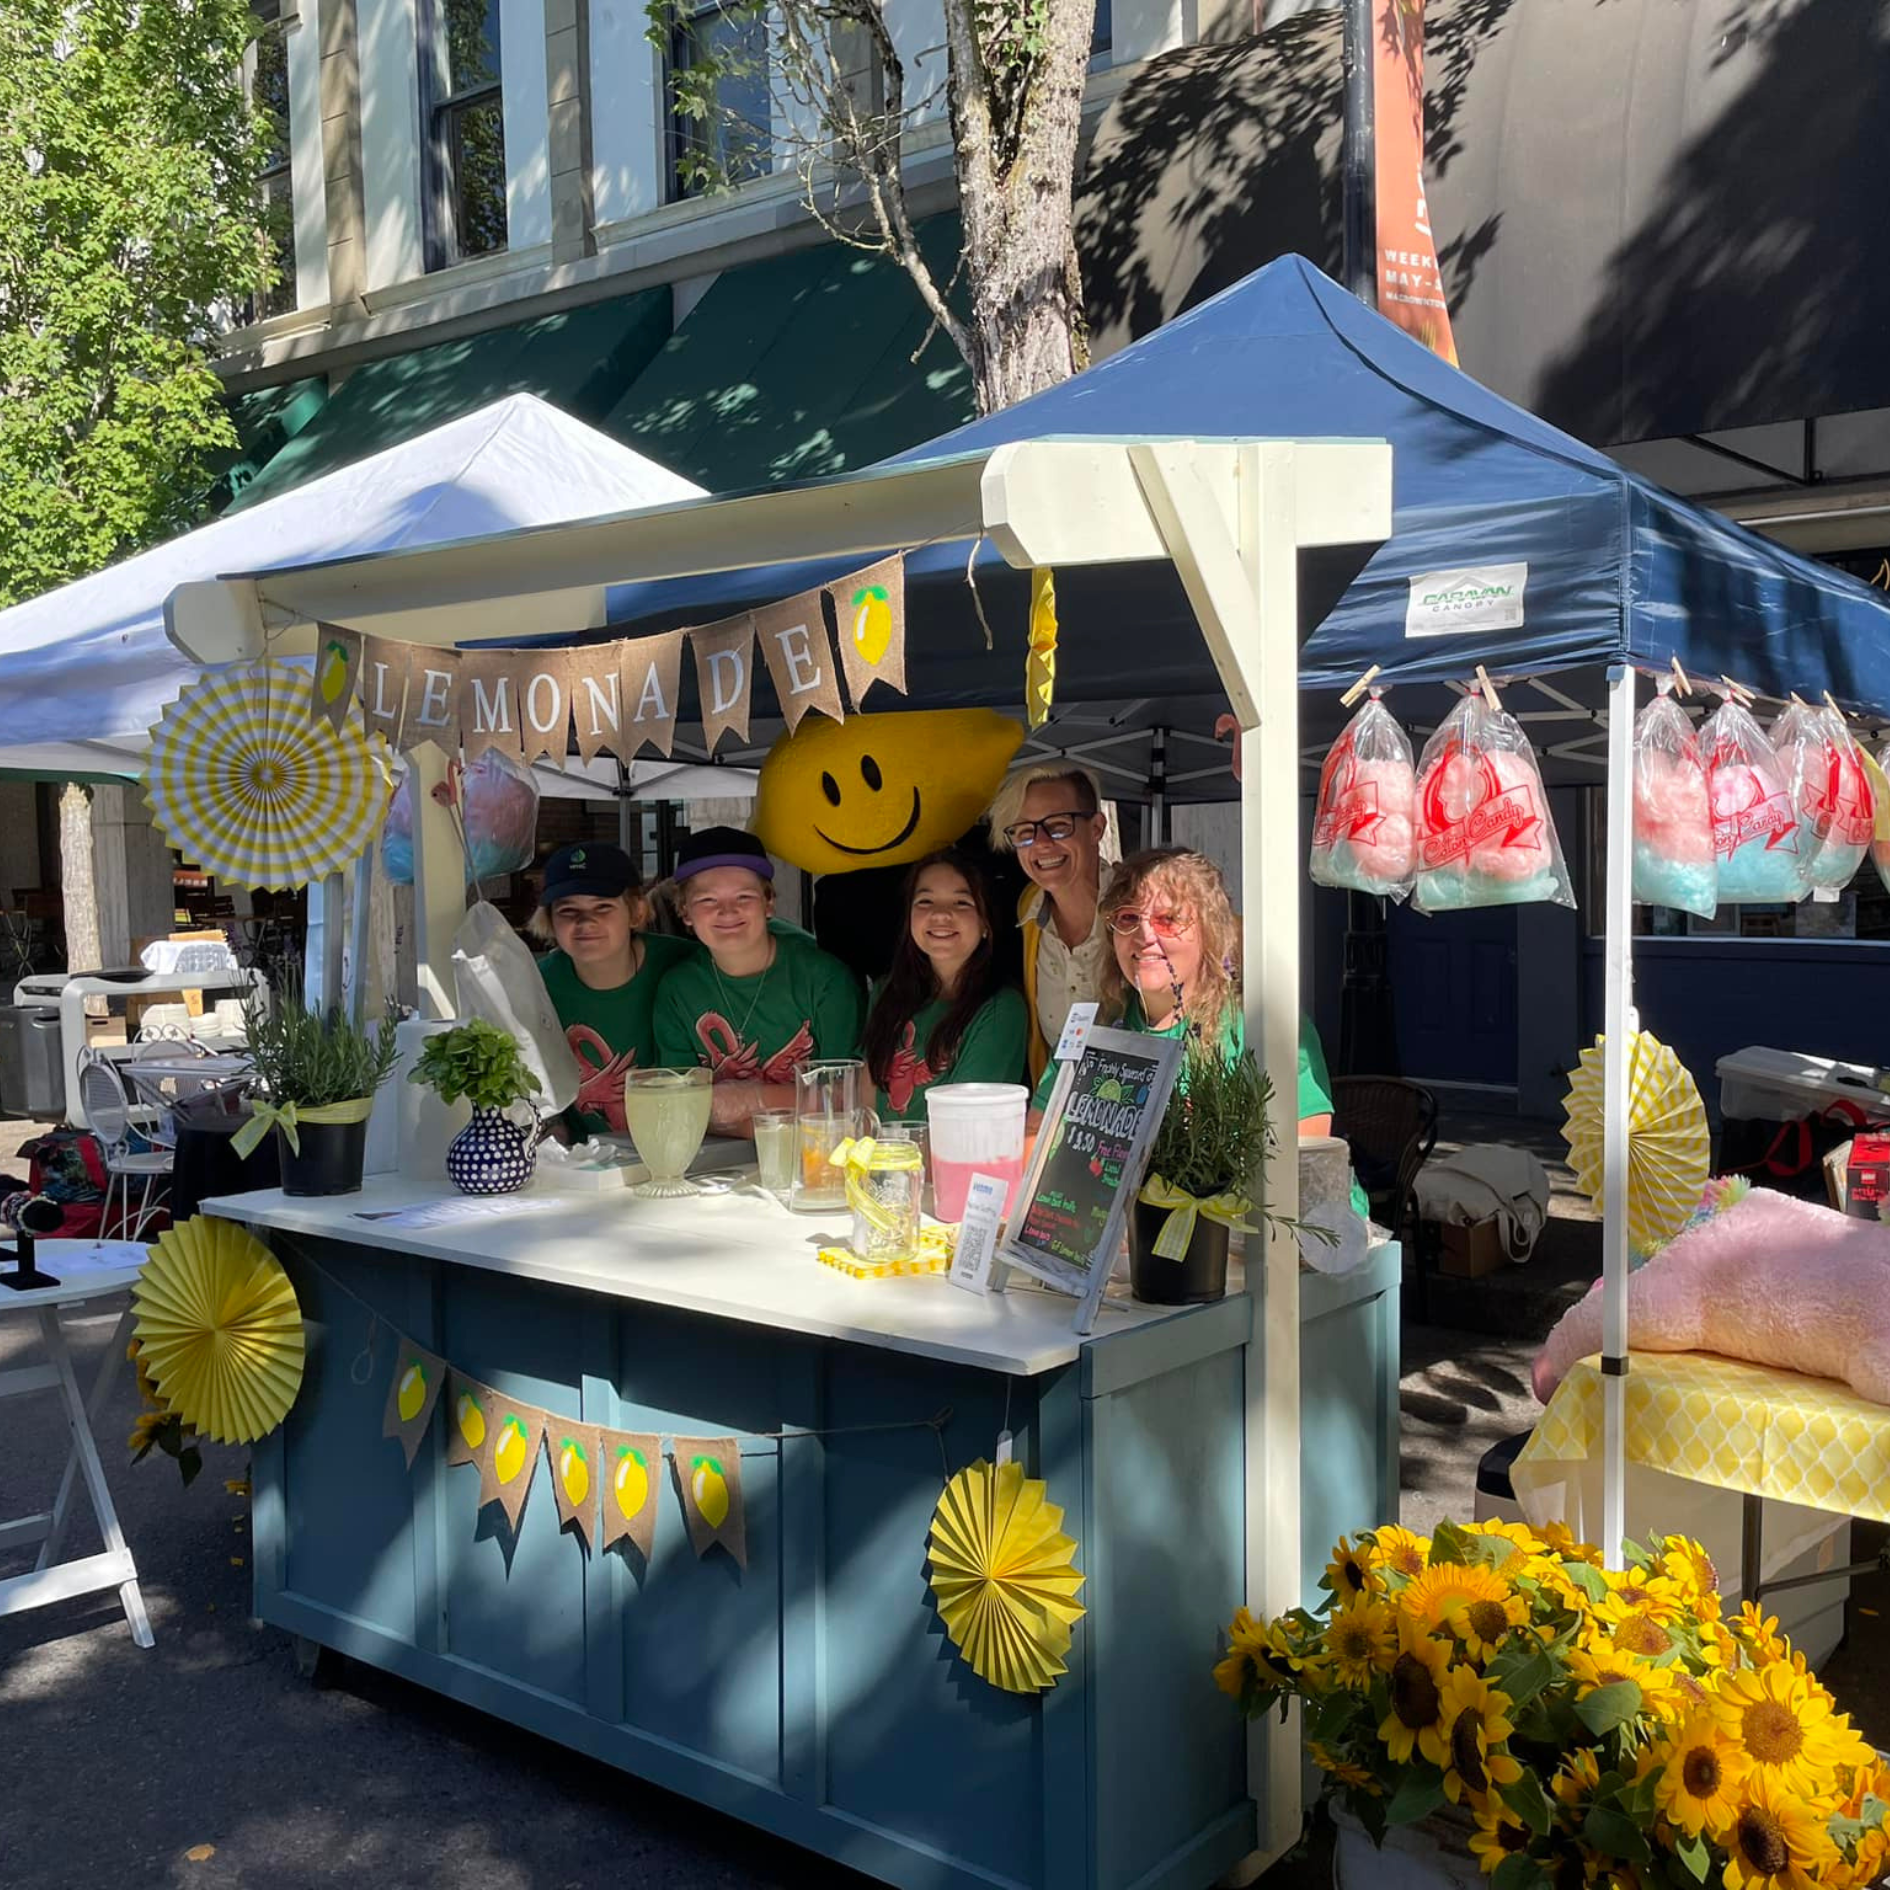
x=1099 y=37
x=269 y=92
x=733 y=143
x=466 y=125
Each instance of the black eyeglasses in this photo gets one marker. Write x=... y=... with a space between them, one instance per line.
x=1052 y=827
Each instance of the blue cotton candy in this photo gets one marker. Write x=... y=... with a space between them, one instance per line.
x=1659 y=881
x=1758 y=875
x=1454 y=890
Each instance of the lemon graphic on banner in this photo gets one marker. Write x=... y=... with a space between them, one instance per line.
x=1669 y=1146
x=471 y=1420
x=334 y=673
x=573 y=1472
x=632 y=1483
x=872 y=622
x=508 y=1456
x=413 y=1392
x=709 y=1487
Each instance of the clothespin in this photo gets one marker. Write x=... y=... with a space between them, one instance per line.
x=1735 y=692
x=1488 y=688
x=1680 y=678
x=1358 y=688
x=1831 y=700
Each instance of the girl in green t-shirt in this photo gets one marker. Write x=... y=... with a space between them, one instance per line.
x=602 y=977
x=943 y=1014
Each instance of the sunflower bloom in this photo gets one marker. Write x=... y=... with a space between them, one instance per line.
x=1483 y=1626
x=1361 y=1640
x=1559 y=1539
x=1349 y=1574
x=1255 y=1659
x=1416 y=1718
x=1576 y=1782
x=1476 y=1723
x=1499 y=1834
x=1640 y=1635
x=1343 y=1770
x=1758 y=1633
x=1637 y=1592
x=1782 y=1725
x=1700 y=1777
x=1686 y=1562
x=1773 y=1841
x=1431 y=1598
x=1600 y=1665
x=1400 y=1551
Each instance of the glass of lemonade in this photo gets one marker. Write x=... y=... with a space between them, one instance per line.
x=777 y=1141
x=667 y=1114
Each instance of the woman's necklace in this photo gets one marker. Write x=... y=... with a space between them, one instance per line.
x=741 y=1029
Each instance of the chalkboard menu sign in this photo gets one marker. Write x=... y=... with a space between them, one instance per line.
x=1066 y=1222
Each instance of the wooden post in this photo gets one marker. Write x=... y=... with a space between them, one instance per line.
x=439 y=883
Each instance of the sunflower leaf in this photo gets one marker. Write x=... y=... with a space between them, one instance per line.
x=1614 y=1835
x=1450 y=1546
x=1525 y=1798
x=1369 y=1809
x=1608 y=1707
x=1587 y=1578
x=1695 y=1859
x=1419 y=1793
x=1522 y=1670
x=1519 y=1871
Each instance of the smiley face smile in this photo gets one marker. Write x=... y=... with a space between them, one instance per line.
x=885 y=846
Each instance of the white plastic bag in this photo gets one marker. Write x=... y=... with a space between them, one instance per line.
x=1485 y=836
x=1825 y=773
x=1763 y=855
x=1673 y=812
x=1363 y=835
x=498 y=980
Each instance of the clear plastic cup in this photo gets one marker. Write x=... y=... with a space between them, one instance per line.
x=975 y=1129
x=777 y=1142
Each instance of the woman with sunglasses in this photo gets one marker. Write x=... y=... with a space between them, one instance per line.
x=943 y=1013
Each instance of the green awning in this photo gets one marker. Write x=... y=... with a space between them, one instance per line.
x=266 y=420
x=579 y=359
x=797 y=367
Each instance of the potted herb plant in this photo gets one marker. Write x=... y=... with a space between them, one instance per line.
x=1206 y=1153
x=317 y=1072
x=493 y=1153
x=1492 y=1698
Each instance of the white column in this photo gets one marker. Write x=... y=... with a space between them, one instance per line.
x=626 y=113
x=527 y=124
x=390 y=142
x=306 y=169
x=1139 y=29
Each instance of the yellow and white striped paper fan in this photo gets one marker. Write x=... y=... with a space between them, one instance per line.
x=1669 y=1145
x=244 y=784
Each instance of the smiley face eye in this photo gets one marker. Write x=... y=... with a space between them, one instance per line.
x=831 y=788
x=869 y=772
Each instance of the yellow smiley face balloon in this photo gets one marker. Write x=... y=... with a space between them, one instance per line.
x=880 y=790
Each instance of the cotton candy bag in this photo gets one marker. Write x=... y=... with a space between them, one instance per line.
x=499 y=806
x=1673 y=812
x=1825 y=772
x=1484 y=833
x=1763 y=854
x=1878 y=767
x=1363 y=838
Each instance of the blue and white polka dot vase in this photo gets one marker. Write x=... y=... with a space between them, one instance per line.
x=491 y=1154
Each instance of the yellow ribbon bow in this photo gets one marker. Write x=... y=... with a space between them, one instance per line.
x=265 y=1115
x=1184 y=1209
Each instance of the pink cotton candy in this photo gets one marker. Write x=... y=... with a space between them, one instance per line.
x=1382 y=843
x=1363 y=829
x=1672 y=813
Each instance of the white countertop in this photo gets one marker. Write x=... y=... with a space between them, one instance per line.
x=739 y=1255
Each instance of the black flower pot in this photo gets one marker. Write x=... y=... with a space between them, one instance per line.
x=1198 y=1276
x=330 y=1161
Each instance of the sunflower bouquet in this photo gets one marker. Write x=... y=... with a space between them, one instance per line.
x=1597 y=1727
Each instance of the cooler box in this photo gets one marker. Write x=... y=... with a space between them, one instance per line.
x=1782 y=1112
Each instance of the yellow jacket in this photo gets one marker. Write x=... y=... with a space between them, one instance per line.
x=1036 y=1047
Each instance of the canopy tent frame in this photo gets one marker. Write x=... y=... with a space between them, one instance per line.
x=1232 y=517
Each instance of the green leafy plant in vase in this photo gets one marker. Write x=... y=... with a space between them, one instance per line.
x=495 y=1152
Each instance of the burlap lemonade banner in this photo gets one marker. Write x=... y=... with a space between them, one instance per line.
x=869 y=613
x=577 y=1456
x=725 y=676
x=709 y=1474
x=419 y=1376
x=632 y=1468
x=793 y=640
x=511 y=1459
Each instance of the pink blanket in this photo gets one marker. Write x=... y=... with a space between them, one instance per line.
x=1772 y=1280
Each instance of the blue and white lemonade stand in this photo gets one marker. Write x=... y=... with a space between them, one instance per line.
x=810 y=1688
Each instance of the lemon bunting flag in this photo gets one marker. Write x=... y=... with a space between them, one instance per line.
x=629 y=1464
x=219 y=1329
x=869 y=611
x=709 y=1470
x=1003 y=1576
x=1669 y=1145
x=505 y=1477
x=469 y=1421
x=412 y=1394
x=1040 y=667
x=337 y=664
x=576 y=1450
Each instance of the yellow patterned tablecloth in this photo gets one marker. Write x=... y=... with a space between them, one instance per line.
x=1740 y=1427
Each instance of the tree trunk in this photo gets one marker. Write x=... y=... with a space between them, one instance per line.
x=77 y=891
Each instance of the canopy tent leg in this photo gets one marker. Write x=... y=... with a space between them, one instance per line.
x=1618 y=1024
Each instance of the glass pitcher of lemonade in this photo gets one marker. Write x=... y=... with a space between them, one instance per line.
x=828 y=1111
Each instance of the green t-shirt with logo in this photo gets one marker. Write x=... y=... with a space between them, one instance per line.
x=990 y=1051
x=760 y=1028
x=610 y=1031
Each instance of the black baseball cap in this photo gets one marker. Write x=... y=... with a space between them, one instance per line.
x=593 y=869
x=722 y=846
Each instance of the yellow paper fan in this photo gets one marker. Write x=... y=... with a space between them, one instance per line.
x=1669 y=1144
x=221 y=1330
x=243 y=783
x=1003 y=1578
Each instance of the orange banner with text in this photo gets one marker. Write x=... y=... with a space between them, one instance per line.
x=1410 y=284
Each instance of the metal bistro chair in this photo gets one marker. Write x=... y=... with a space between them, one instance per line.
x=1391 y=1126
x=102 y=1091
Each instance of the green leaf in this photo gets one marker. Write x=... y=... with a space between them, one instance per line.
x=1615 y=1835
x=1450 y=1546
x=1695 y=1858
x=1522 y=1670
x=1528 y=1801
x=1420 y=1792
x=1369 y=1810
x=1609 y=1707
x=1640 y=1798
x=1519 y=1871
x=1587 y=1578
x=189 y=1462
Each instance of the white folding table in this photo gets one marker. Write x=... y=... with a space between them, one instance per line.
x=86 y=1270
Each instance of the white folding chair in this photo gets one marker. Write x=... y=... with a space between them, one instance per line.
x=102 y=1092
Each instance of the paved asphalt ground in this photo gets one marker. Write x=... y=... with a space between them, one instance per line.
x=210 y=1762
